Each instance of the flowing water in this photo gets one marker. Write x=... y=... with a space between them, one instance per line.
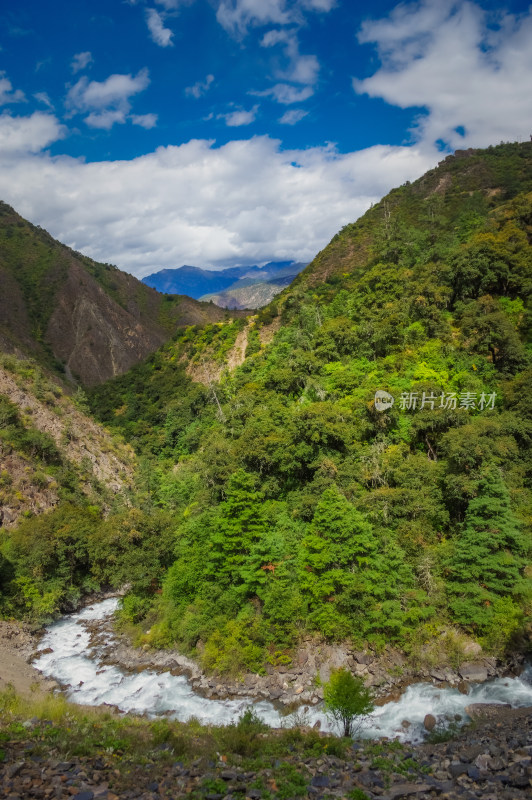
x=78 y=666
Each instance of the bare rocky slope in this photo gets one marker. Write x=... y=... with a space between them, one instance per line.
x=104 y=465
x=72 y=314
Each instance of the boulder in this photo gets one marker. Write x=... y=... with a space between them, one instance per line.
x=429 y=722
x=474 y=672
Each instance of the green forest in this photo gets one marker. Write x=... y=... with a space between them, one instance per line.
x=275 y=500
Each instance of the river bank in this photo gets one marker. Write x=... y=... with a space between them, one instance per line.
x=492 y=760
x=287 y=686
x=82 y=653
x=300 y=682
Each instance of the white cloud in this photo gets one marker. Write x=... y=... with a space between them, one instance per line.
x=147 y=121
x=301 y=69
x=235 y=119
x=107 y=101
x=81 y=61
x=469 y=70
x=237 y=16
x=28 y=134
x=286 y=94
x=105 y=119
x=200 y=88
x=245 y=202
x=43 y=98
x=160 y=35
x=318 y=5
x=292 y=116
x=171 y=5
x=7 y=95
x=115 y=90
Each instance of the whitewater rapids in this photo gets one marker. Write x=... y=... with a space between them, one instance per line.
x=77 y=665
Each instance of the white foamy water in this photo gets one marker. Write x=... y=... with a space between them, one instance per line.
x=90 y=682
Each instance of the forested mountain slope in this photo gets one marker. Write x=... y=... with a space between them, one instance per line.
x=298 y=503
x=89 y=320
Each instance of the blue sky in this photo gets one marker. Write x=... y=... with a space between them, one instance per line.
x=152 y=133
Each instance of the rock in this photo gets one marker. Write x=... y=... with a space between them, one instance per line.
x=474 y=672
x=407 y=790
x=463 y=687
x=485 y=710
x=363 y=658
x=320 y=780
x=405 y=724
x=458 y=769
x=472 y=649
x=429 y=722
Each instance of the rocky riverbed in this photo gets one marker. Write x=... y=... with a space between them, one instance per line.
x=492 y=761
x=299 y=683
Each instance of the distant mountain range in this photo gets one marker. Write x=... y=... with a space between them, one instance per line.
x=235 y=287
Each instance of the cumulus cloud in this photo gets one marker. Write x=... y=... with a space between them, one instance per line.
x=147 y=121
x=471 y=72
x=28 y=134
x=247 y=201
x=81 y=61
x=105 y=119
x=235 y=119
x=108 y=102
x=160 y=35
x=7 y=94
x=292 y=116
x=200 y=88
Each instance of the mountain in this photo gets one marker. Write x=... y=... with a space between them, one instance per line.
x=247 y=293
x=354 y=462
x=85 y=319
x=211 y=285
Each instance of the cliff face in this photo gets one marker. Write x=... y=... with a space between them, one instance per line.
x=70 y=313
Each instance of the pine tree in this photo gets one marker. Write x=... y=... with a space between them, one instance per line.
x=241 y=527
x=489 y=555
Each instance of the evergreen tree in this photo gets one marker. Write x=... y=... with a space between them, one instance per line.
x=241 y=527
x=488 y=557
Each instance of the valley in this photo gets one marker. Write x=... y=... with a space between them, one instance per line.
x=240 y=475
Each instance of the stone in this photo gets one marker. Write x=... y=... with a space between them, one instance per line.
x=472 y=649
x=429 y=722
x=407 y=790
x=321 y=781
x=473 y=671
x=463 y=687
x=458 y=769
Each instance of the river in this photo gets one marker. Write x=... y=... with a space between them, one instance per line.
x=77 y=666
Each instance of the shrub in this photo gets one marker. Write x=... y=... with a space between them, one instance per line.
x=347 y=700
